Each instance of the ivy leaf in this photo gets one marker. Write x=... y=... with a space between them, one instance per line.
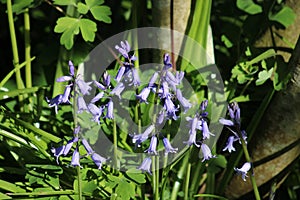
x=249 y=6
x=82 y=8
x=88 y=29
x=101 y=13
x=64 y=2
x=285 y=16
x=263 y=76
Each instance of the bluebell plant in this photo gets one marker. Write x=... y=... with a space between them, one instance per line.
x=234 y=126
x=164 y=84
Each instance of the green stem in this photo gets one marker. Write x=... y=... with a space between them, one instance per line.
x=180 y=175
x=187 y=181
x=154 y=183
x=79 y=183
x=157 y=178
x=12 y=31
x=115 y=138
x=28 y=78
x=248 y=159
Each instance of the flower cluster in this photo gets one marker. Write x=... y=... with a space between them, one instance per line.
x=199 y=122
x=234 y=125
x=78 y=88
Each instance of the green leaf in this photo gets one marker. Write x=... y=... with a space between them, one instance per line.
x=88 y=29
x=82 y=8
x=263 y=76
x=88 y=187
x=226 y=41
x=64 y=2
x=4 y=196
x=7 y=186
x=20 y=5
x=249 y=6
x=69 y=27
x=125 y=190
x=101 y=13
x=136 y=175
x=285 y=16
x=92 y=3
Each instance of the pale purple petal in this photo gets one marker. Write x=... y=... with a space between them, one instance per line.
x=153 y=145
x=84 y=87
x=64 y=78
x=168 y=147
x=183 y=101
x=71 y=68
x=97 y=97
x=243 y=170
x=226 y=122
x=87 y=146
x=229 y=144
x=146 y=165
x=110 y=110
x=118 y=90
x=206 y=152
x=58 y=152
x=205 y=131
x=143 y=95
x=75 y=158
x=81 y=105
x=98 y=160
x=120 y=74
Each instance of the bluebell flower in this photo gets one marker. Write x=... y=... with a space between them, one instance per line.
x=66 y=94
x=229 y=144
x=96 y=112
x=234 y=112
x=179 y=76
x=124 y=49
x=69 y=145
x=81 y=105
x=226 y=122
x=244 y=136
x=87 y=146
x=140 y=138
x=183 y=101
x=192 y=139
x=99 y=85
x=160 y=117
x=120 y=73
x=97 y=97
x=194 y=123
x=165 y=90
x=58 y=152
x=83 y=86
x=167 y=62
x=106 y=79
x=55 y=102
x=206 y=152
x=153 y=145
x=143 y=95
x=75 y=158
x=98 y=160
x=110 y=110
x=71 y=68
x=203 y=105
x=170 y=108
x=64 y=78
x=146 y=165
x=205 y=131
x=118 y=89
x=243 y=170
x=136 y=78
x=168 y=147
x=153 y=80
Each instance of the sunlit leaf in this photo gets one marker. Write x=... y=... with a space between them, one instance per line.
x=88 y=29
x=101 y=13
x=286 y=16
x=64 y=2
x=249 y=6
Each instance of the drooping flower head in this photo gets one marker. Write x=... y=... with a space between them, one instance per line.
x=146 y=165
x=243 y=170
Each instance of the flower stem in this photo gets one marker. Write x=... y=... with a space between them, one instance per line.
x=248 y=159
x=115 y=138
x=187 y=181
x=20 y=84
x=28 y=78
x=79 y=183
